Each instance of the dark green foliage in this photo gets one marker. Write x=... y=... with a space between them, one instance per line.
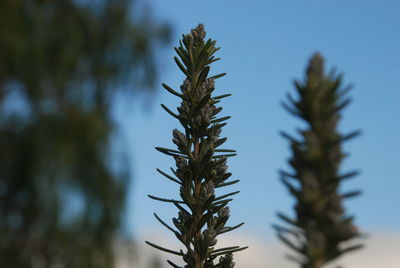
x=201 y=164
x=320 y=225
x=61 y=64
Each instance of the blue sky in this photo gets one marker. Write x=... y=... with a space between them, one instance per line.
x=264 y=46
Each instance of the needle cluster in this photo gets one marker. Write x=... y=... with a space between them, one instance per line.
x=320 y=226
x=201 y=165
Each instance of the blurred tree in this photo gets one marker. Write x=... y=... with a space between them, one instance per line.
x=156 y=262
x=61 y=64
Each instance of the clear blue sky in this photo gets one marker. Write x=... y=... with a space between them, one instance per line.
x=264 y=46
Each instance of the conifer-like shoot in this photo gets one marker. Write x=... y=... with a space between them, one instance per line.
x=201 y=165
x=320 y=225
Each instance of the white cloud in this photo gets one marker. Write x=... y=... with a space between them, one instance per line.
x=382 y=251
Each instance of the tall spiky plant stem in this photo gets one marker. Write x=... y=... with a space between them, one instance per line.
x=320 y=226
x=201 y=165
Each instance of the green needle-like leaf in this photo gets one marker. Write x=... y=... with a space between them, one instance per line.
x=201 y=214
x=164 y=249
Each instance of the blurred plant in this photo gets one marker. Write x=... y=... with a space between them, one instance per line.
x=201 y=167
x=320 y=226
x=61 y=65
